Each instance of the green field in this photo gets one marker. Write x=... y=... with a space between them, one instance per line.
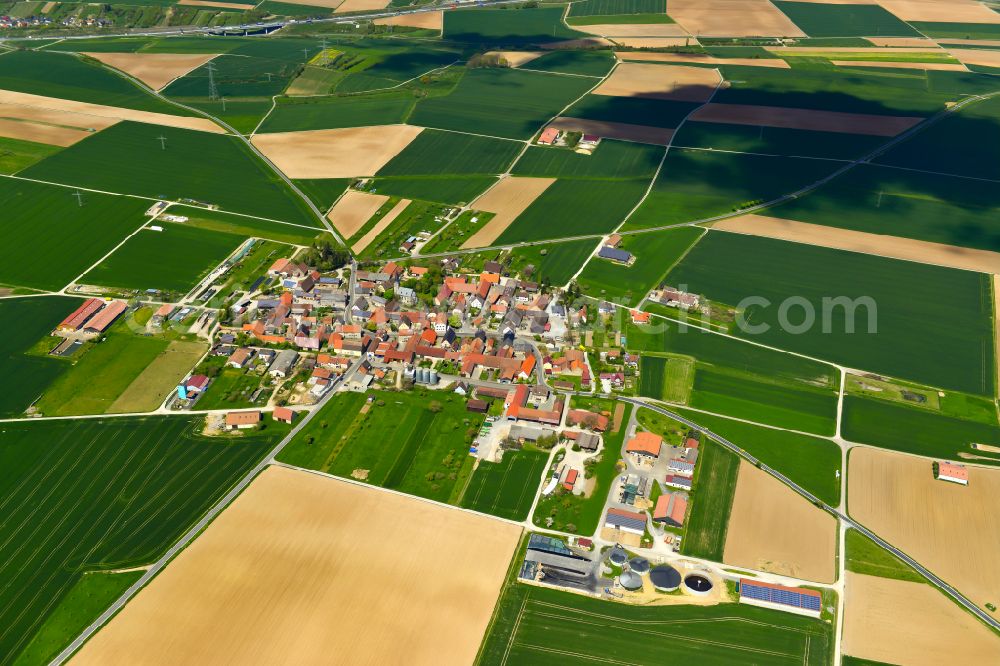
x=172 y=260
x=128 y=158
x=25 y=377
x=900 y=336
x=245 y=226
x=617 y=7
x=714 y=488
x=554 y=264
x=79 y=79
x=631 y=110
x=583 y=206
x=446 y=189
x=505 y=103
x=811 y=462
x=779 y=141
x=923 y=206
x=507 y=26
x=958 y=30
x=506 y=488
x=610 y=161
x=411 y=442
x=585 y=63
x=101 y=494
x=538 y=625
x=818 y=20
x=654 y=253
x=323 y=191
x=314 y=113
x=914 y=430
x=697 y=184
x=666 y=377
x=86 y=600
x=16 y=154
x=440 y=153
x=44 y=226
x=863 y=556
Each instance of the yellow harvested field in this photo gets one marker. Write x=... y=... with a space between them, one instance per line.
x=951 y=529
x=507 y=199
x=353 y=209
x=914 y=42
x=425 y=20
x=867 y=243
x=14 y=124
x=633 y=30
x=804 y=119
x=771 y=528
x=361 y=6
x=516 y=58
x=46 y=104
x=303 y=569
x=947 y=11
x=733 y=18
x=380 y=226
x=892 y=64
x=701 y=59
x=671 y=82
x=216 y=4
x=982 y=57
x=611 y=130
x=655 y=42
x=902 y=622
x=49 y=6
x=156 y=70
x=329 y=4
x=970 y=42
x=335 y=153
x=160 y=377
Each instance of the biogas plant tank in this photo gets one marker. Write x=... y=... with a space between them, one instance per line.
x=697 y=584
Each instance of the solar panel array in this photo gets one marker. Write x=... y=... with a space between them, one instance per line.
x=784 y=596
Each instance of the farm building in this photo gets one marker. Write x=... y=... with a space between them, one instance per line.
x=570 y=480
x=477 y=406
x=242 y=420
x=645 y=445
x=283 y=414
x=107 y=316
x=623 y=257
x=770 y=595
x=665 y=578
x=678 y=481
x=681 y=467
x=633 y=522
x=670 y=509
x=196 y=383
x=548 y=136
x=77 y=318
x=949 y=471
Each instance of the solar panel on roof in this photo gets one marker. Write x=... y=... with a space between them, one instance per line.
x=783 y=596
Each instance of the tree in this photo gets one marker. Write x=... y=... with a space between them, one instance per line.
x=435 y=406
x=324 y=256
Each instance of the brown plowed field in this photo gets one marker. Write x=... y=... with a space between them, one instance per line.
x=216 y=4
x=48 y=126
x=655 y=42
x=380 y=226
x=732 y=18
x=902 y=622
x=335 y=153
x=860 y=241
x=804 y=119
x=516 y=58
x=982 y=57
x=53 y=104
x=633 y=30
x=771 y=528
x=353 y=209
x=156 y=70
x=361 y=6
x=952 y=530
x=303 y=569
x=947 y=11
x=508 y=199
x=624 y=131
x=670 y=82
x=701 y=59
x=426 y=20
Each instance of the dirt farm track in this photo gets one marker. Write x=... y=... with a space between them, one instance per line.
x=303 y=569
x=952 y=530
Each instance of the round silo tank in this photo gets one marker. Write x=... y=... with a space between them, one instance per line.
x=433 y=377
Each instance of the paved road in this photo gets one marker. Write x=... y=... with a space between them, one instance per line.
x=195 y=530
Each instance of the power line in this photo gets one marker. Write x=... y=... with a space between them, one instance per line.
x=163 y=142
x=213 y=92
x=79 y=198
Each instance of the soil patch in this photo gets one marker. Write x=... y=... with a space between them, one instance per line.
x=733 y=18
x=425 y=20
x=952 y=11
x=45 y=126
x=866 y=243
x=939 y=66
x=335 y=153
x=302 y=567
x=610 y=130
x=982 y=57
x=214 y=3
x=507 y=199
x=42 y=103
x=915 y=42
x=380 y=226
x=353 y=209
x=670 y=82
x=951 y=529
x=702 y=59
x=361 y=6
x=655 y=42
x=48 y=7
x=804 y=119
x=516 y=58
x=902 y=622
x=156 y=70
x=771 y=528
